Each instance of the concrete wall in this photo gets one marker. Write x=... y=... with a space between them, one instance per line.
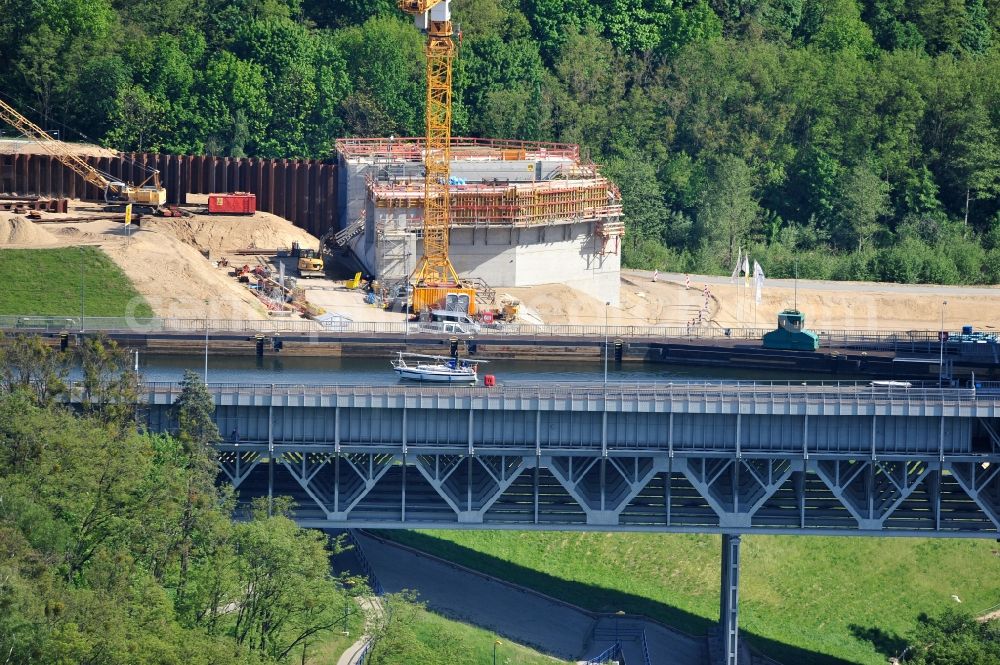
x=502 y=256
x=558 y=254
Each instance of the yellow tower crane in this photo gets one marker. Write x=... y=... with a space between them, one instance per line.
x=151 y=194
x=434 y=274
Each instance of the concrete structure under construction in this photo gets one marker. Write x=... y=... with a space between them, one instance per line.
x=522 y=213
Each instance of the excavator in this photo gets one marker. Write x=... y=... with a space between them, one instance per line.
x=435 y=280
x=148 y=194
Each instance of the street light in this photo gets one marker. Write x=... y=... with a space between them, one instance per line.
x=606 y=305
x=941 y=336
x=206 y=342
x=618 y=615
x=496 y=643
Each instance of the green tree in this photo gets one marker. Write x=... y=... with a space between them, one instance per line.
x=288 y=592
x=954 y=639
x=28 y=364
x=729 y=211
x=860 y=203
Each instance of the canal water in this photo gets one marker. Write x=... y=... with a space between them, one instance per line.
x=368 y=371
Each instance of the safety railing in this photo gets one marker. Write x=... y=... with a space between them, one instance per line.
x=830 y=339
x=612 y=653
x=366 y=567
x=482 y=148
x=743 y=392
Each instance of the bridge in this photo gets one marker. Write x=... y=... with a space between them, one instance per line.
x=727 y=458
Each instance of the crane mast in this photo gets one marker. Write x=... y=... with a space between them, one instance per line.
x=434 y=17
x=152 y=195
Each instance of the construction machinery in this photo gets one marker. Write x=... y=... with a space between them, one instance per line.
x=434 y=277
x=149 y=193
x=310 y=261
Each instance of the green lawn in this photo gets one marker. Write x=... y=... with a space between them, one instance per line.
x=429 y=639
x=802 y=599
x=441 y=641
x=48 y=282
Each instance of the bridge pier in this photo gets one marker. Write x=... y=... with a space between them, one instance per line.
x=729 y=598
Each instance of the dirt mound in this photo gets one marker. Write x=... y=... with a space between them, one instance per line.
x=223 y=233
x=26 y=147
x=19 y=231
x=177 y=281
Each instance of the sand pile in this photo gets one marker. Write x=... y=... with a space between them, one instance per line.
x=177 y=281
x=20 y=231
x=26 y=147
x=223 y=233
x=74 y=232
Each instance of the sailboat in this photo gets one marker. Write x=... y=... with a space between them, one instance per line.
x=436 y=369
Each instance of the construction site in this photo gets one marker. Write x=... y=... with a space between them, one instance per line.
x=521 y=214
x=388 y=228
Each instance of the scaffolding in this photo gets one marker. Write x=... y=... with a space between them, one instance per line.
x=412 y=149
x=518 y=205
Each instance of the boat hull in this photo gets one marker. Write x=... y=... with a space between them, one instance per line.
x=413 y=374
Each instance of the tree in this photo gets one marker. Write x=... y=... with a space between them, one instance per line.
x=28 y=364
x=110 y=386
x=860 y=203
x=954 y=639
x=729 y=210
x=287 y=592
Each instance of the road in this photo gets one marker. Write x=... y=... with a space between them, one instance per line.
x=826 y=285
x=520 y=614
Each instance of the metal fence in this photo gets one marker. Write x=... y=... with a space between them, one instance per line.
x=748 y=392
x=829 y=339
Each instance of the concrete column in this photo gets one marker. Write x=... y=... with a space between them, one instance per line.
x=729 y=605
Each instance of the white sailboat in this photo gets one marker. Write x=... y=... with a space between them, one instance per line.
x=436 y=369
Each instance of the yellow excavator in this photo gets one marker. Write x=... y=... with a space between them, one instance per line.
x=149 y=193
x=311 y=263
x=435 y=278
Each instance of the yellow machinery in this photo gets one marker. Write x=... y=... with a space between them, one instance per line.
x=148 y=193
x=311 y=263
x=435 y=277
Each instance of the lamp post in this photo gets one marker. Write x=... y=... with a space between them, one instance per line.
x=206 y=342
x=496 y=643
x=606 y=305
x=83 y=273
x=941 y=336
x=618 y=615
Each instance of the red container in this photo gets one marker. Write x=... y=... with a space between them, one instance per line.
x=237 y=203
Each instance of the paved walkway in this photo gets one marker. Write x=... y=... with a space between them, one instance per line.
x=519 y=614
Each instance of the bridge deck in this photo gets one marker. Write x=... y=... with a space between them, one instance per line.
x=722 y=457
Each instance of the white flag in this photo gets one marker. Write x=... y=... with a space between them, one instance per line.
x=736 y=270
x=746 y=269
x=758 y=278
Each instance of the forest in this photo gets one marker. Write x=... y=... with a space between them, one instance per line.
x=840 y=139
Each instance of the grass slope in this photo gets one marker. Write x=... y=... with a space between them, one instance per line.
x=802 y=599
x=446 y=642
x=47 y=282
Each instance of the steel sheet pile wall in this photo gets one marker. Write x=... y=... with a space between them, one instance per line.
x=303 y=191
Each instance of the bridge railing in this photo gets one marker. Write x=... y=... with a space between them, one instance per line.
x=689 y=391
x=887 y=340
